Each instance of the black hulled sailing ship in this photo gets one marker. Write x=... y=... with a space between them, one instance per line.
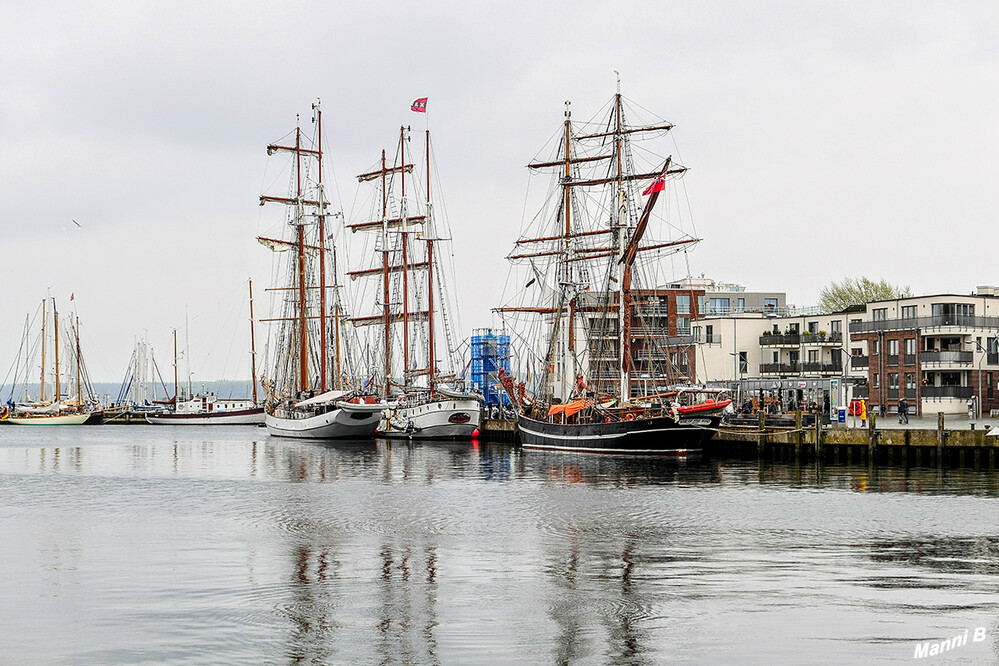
x=309 y=389
x=413 y=359
x=593 y=294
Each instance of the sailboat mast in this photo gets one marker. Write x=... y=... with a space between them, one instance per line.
x=303 y=345
x=624 y=299
x=322 y=249
x=253 y=347
x=336 y=321
x=430 y=281
x=79 y=390
x=44 y=322
x=405 y=258
x=55 y=328
x=567 y=205
x=385 y=278
x=176 y=382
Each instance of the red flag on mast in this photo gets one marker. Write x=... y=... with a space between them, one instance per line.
x=658 y=185
x=420 y=105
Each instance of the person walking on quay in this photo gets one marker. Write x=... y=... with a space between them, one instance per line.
x=903 y=411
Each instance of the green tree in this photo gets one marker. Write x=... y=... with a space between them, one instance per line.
x=857 y=291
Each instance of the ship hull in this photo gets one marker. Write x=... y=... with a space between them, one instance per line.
x=234 y=417
x=441 y=419
x=63 y=419
x=337 y=423
x=649 y=436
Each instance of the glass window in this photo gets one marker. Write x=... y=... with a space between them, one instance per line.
x=908 y=312
x=876 y=348
x=813 y=355
x=683 y=304
x=742 y=304
x=910 y=346
x=893 y=347
x=683 y=325
x=910 y=380
x=879 y=314
x=893 y=380
x=836 y=326
x=876 y=380
x=770 y=304
x=718 y=306
x=743 y=362
x=813 y=327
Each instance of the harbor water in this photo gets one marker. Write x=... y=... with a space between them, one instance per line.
x=178 y=545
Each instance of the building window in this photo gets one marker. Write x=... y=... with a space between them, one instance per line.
x=683 y=304
x=701 y=303
x=876 y=380
x=793 y=327
x=876 y=348
x=836 y=326
x=910 y=381
x=910 y=346
x=770 y=305
x=813 y=327
x=879 y=314
x=893 y=380
x=683 y=325
x=953 y=309
x=741 y=305
x=988 y=385
x=908 y=312
x=856 y=351
x=718 y=306
x=743 y=362
x=813 y=355
x=893 y=347
x=776 y=357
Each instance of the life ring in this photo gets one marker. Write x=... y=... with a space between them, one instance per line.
x=606 y=419
x=630 y=417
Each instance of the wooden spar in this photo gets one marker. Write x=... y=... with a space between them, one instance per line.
x=624 y=302
x=371 y=175
x=430 y=285
x=55 y=329
x=369 y=272
x=374 y=320
x=581 y=234
x=290 y=202
x=392 y=223
x=628 y=256
x=577 y=160
x=44 y=321
x=635 y=176
x=303 y=337
x=253 y=348
x=271 y=149
x=322 y=254
x=568 y=244
x=385 y=277
x=267 y=242
x=405 y=259
x=619 y=131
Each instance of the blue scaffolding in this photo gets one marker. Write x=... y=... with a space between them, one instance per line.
x=490 y=352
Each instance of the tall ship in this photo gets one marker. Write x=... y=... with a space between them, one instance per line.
x=310 y=393
x=65 y=393
x=591 y=291
x=413 y=357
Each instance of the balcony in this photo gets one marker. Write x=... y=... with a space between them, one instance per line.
x=780 y=368
x=822 y=368
x=860 y=361
x=947 y=357
x=963 y=392
x=795 y=339
x=923 y=323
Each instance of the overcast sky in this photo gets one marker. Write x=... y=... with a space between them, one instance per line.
x=823 y=139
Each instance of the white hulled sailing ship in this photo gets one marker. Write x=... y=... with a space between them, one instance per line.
x=309 y=394
x=590 y=266
x=413 y=339
x=66 y=395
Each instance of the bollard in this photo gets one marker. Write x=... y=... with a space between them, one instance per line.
x=940 y=438
x=761 y=444
x=818 y=436
x=872 y=421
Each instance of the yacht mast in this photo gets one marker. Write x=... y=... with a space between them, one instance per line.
x=322 y=250
x=253 y=348
x=44 y=321
x=385 y=279
x=79 y=390
x=431 y=365
x=55 y=327
x=405 y=260
x=303 y=340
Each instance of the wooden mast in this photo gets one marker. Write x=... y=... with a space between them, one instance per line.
x=44 y=321
x=567 y=204
x=322 y=250
x=253 y=347
x=336 y=322
x=405 y=261
x=303 y=345
x=385 y=279
x=79 y=390
x=431 y=365
x=624 y=302
x=55 y=328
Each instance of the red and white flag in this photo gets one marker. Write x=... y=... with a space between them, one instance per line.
x=658 y=185
x=72 y=296
x=420 y=105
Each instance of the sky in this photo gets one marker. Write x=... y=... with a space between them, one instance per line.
x=823 y=140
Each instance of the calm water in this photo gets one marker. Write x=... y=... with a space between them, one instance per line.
x=129 y=544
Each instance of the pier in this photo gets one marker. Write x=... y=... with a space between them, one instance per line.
x=946 y=441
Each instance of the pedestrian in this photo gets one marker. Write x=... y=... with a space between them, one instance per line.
x=903 y=411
